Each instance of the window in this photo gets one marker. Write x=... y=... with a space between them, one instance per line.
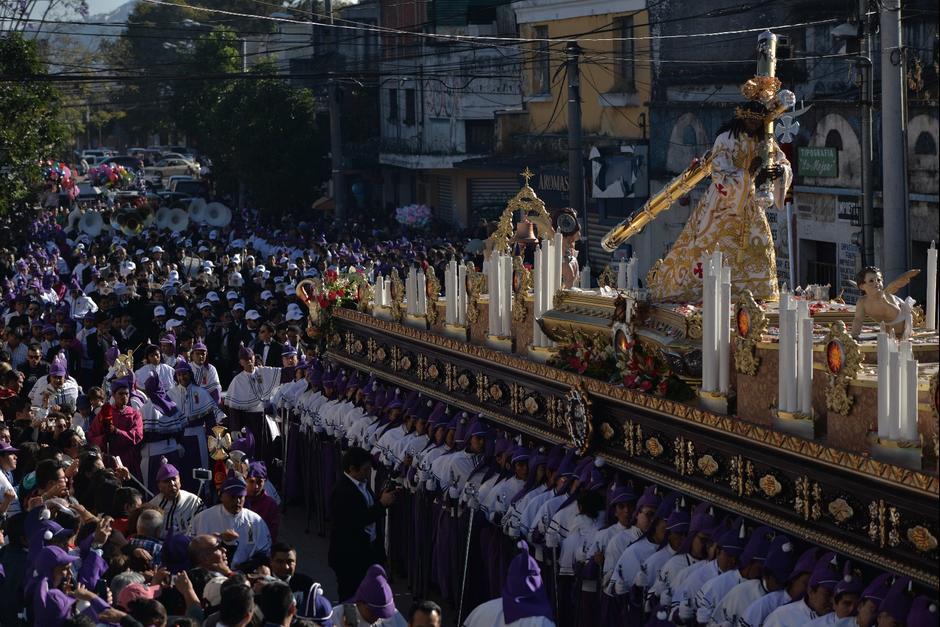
x=392 y=105
x=625 y=79
x=834 y=139
x=410 y=107
x=688 y=136
x=925 y=145
x=479 y=135
x=541 y=68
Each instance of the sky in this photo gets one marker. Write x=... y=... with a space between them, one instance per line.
x=103 y=6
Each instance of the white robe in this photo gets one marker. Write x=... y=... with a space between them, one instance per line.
x=628 y=565
x=713 y=592
x=65 y=396
x=731 y=608
x=178 y=514
x=249 y=392
x=796 y=614
x=758 y=611
x=253 y=534
x=688 y=583
x=666 y=582
x=490 y=614
x=164 y=372
x=207 y=376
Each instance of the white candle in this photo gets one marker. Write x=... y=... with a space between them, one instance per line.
x=586 y=278
x=932 y=287
x=782 y=351
x=537 y=305
x=724 y=332
x=410 y=290
x=909 y=425
x=506 y=297
x=462 y=294
x=622 y=275
x=896 y=407
x=632 y=282
x=709 y=329
x=492 y=287
x=793 y=330
x=805 y=368
x=884 y=383
x=557 y=254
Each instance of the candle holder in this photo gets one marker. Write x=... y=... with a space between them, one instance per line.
x=416 y=321
x=457 y=332
x=499 y=342
x=541 y=354
x=382 y=312
x=715 y=402
x=799 y=424
x=904 y=453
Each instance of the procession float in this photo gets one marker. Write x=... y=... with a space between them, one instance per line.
x=816 y=417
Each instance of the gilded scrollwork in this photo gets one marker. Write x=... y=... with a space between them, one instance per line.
x=433 y=288
x=607 y=278
x=476 y=285
x=397 y=306
x=843 y=362
x=750 y=323
x=708 y=465
x=578 y=419
x=922 y=539
x=521 y=284
x=840 y=510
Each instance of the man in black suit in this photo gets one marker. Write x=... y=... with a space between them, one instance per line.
x=356 y=513
x=267 y=348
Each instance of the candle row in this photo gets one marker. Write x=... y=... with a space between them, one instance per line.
x=716 y=325
x=499 y=286
x=416 y=293
x=795 y=369
x=546 y=279
x=931 y=321
x=897 y=389
x=382 y=292
x=626 y=274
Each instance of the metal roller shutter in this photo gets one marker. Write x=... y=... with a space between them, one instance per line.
x=445 y=199
x=488 y=197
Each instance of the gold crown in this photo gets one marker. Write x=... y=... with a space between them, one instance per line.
x=746 y=114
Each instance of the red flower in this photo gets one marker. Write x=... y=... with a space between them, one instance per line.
x=646 y=385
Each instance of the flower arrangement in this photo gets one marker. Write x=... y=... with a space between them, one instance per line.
x=414 y=216
x=111 y=176
x=587 y=354
x=642 y=370
x=322 y=297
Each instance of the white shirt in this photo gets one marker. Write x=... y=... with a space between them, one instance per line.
x=825 y=620
x=253 y=534
x=732 y=607
x=650 y=568
x=490 y=614
x=5 y=485
x=206 y=376
x=758 y=611
x=689 y=583
x=164 y=373
x=65 y=396
x=397 y=620
x=713 y=592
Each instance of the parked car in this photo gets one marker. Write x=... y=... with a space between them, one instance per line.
x=173 y=180
x=177 y=155
x=131 y=163
x=192 y=188
x=169 y=167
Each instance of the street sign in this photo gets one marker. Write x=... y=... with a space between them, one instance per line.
x=817 y=161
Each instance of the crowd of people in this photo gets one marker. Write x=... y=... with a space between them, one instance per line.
x=130 y=362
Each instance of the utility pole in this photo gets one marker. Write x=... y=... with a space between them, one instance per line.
x=575 y=157
x=336 y=129
x=896 y=244
x=866 y=96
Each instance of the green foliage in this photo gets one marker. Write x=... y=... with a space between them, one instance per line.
x=29 y=127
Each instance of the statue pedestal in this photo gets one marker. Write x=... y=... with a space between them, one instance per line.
x=416 y=322
x=382 y=313
x=903 y=454
x=798 y=424
x=715 y=402
x=456 y=332
x=499 y=342
x=541 y=354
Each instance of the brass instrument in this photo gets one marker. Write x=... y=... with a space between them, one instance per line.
x=675 y=189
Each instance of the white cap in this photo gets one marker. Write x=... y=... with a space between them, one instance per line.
x=208 y=264
x=294 y=315
x=212 y=592
x=231 y=296
x=144 y=259
x=159 y=310
x=212 y=297
x=236 y=258
x=251 y=314
x=266 y=295
x=180 y=311
x=172 y=323
x=238 y=307
x=260 y=268
x=213 y=234
x=173 y=275
x=204 y=304
x=156 y=249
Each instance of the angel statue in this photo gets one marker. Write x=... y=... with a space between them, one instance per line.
x=881 y=305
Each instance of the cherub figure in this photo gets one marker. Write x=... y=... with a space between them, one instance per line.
x=881 y=305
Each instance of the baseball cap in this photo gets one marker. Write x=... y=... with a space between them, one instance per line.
x=252 y=314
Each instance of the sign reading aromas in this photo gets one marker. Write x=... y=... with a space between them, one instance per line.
x=818 y=161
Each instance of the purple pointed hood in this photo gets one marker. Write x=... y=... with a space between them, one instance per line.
x=524 y=596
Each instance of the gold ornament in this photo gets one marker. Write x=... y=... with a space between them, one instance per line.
x=653 y=447
x=843 y=362
x=840 y=510
x=607 y=431
x=922 y=539
x=750 y=323
x=708 y=465
x=769 y=485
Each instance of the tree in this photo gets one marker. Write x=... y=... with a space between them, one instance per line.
x=29 y=126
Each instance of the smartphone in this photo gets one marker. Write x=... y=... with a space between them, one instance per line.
x=202 y=474
x=117 y=462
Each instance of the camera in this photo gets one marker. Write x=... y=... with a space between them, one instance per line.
x=202 y=474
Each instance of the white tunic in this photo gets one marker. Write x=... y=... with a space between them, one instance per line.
x=582 y=529
x=250 y=391
x=665 y=584
x=178 y=514
x=490 y=614
x=796 y=614
x=689 y=583
x=713 y=592
x=825 y=620
x=758 y=611
x=732 y=607
x=628 y=565
x=206 y=376
x=253 y=534
x=650 y=568
x=616 y=543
